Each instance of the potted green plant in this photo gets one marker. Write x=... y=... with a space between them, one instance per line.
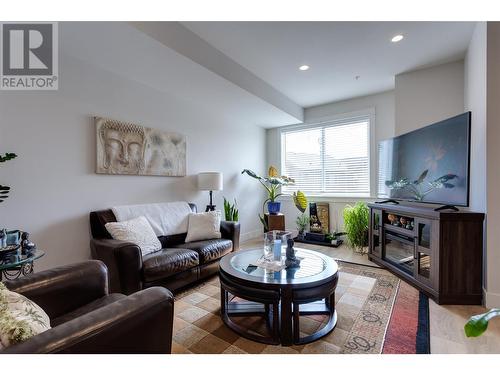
x=272 y=184
x=356 y=226
x=300 y=200
x=231 y=212
x=4 y=190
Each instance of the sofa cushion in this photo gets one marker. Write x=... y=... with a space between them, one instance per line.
x=209 y=250
x=94 y=305
x=137 y=231
x=168 y=262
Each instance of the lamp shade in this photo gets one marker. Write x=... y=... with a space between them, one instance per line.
x=210 y=181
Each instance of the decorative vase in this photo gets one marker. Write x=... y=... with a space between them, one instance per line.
x=273 y=207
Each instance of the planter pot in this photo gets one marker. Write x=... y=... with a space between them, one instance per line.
x=273 y=207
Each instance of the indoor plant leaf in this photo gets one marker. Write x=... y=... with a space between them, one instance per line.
x=300 y=200
x=478 y=324
x=272 y=172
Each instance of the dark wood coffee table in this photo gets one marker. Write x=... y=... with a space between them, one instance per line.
x=281 y=297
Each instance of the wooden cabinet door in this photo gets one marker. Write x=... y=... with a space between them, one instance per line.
x=426 y=251
x=375 y=232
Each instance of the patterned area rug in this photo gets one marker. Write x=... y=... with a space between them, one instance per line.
x=365 y=298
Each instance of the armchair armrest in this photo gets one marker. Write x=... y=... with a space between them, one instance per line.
x=231 y=231
x=124 y=262
x=140 y=323
x=63 y=289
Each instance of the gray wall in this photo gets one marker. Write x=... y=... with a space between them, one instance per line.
x=428 y=95
x=53 y=180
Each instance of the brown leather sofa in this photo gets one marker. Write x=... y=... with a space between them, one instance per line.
x=85 y=318
x=177 y=265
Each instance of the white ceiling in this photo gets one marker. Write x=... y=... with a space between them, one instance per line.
x=336 y=51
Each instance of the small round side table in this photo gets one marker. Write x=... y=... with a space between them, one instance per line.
x=15 y=265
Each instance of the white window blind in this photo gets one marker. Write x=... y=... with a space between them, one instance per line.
x=330 y=159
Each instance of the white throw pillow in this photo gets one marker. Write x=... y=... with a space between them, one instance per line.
x=204 y=226
x=20 y=318
x=137 y=231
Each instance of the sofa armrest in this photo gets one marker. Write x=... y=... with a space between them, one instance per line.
x=63 y=289
x=124 y=261
x=140 y=323
x=231 y=231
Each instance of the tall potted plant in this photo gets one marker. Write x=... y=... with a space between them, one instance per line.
x=272 y=184
x=356 y=225
x=4 y=190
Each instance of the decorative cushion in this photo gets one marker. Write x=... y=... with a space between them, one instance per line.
x=20 y=318
x=168 y=262
x=209 y=250
x=204 y=226
x=137 y=231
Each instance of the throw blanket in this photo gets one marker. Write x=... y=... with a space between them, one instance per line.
x=165 y=218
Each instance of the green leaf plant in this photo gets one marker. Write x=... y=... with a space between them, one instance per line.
x=478 y=324
x=4 y=190
x=356 y=225
x=272 y=183
x=230 y=210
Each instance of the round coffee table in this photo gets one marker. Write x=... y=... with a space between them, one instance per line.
x=281 y=297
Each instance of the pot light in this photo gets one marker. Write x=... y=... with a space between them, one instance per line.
x=304 y=67
x=397 y=38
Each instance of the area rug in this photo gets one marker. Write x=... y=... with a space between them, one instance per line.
x=408 y=330
x=365 y=301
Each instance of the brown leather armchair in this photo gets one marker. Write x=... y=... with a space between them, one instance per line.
x=177 y=265
x=85 y=318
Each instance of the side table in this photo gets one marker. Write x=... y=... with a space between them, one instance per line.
x=275 y=221
x=15 y=265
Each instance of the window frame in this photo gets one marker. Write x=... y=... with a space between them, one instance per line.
x=330 y=121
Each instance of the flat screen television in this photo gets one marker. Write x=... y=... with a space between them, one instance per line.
x=429 y=165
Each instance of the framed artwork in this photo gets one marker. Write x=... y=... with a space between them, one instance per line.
x=130 y=149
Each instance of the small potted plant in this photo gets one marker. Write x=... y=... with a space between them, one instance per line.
x=300 y=200
x=231 y=212
x=356 y=226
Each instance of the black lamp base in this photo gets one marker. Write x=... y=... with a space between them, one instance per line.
x=211 y=206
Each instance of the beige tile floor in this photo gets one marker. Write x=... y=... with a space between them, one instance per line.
x=446 y=321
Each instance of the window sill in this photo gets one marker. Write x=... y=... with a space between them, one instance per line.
x=331 y=198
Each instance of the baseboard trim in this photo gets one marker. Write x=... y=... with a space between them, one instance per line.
x=251 y=235
x=492 y=299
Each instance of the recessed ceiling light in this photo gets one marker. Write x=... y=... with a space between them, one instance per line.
x=304 y=67
x=397 y=38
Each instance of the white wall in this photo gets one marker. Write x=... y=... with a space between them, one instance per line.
x=475 y=101
x=383 y=106
x=428 y=95
x=54 y=186
x=493 y=158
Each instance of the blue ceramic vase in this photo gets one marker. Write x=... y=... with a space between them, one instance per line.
x=273 y=207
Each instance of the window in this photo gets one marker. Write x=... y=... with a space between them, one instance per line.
x=330 y=159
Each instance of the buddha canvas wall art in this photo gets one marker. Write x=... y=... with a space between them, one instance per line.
x=130 y=149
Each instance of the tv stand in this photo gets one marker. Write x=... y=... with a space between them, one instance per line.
x=447 y=207
x=388 y=201
x=438 y=252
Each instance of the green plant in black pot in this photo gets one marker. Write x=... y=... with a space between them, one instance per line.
x=4 y=190
x=356 y=225
x=231 y=211
x=478 y=324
